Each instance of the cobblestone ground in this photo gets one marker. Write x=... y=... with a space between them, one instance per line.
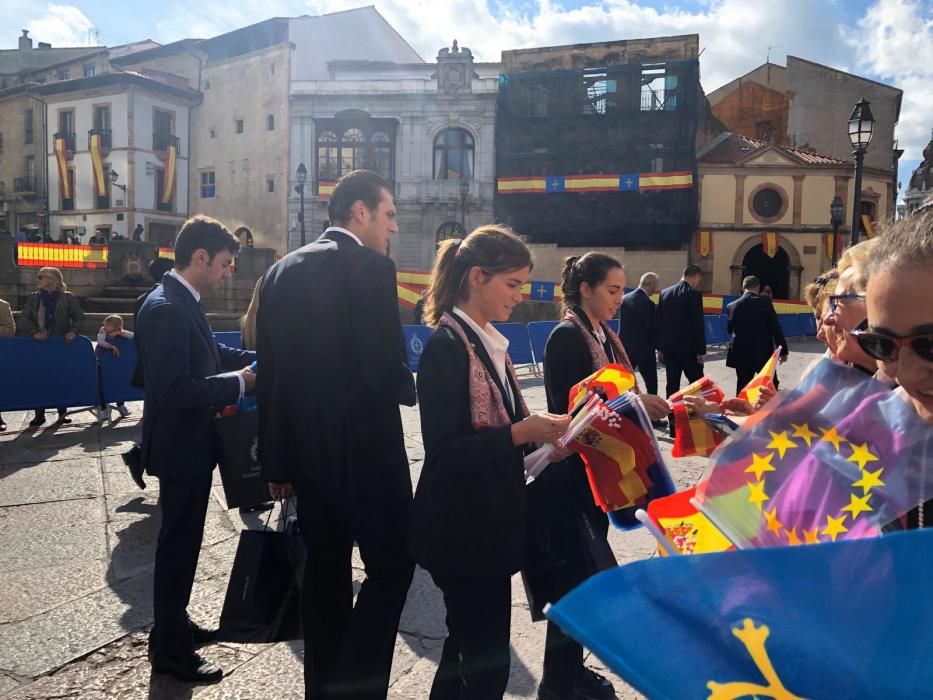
x=76 y=547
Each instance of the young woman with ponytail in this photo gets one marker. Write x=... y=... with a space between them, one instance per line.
x=567 y=532
x=468 y=521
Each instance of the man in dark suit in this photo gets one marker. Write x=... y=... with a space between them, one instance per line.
x=755 y=331
x=188 y=378
x=332 y=377
x=637 y=329
x=681 y=335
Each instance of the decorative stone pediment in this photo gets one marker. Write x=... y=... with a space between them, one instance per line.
x=455 y=70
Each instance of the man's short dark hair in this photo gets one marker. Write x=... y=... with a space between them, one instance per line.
x=751 y=282
x=355 y=186
x=203 y=232
x=692 y=270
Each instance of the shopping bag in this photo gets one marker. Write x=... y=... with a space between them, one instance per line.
x=235 y=437
x=263 y=600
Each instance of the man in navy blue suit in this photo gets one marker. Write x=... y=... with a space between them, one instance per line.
x=188 y=377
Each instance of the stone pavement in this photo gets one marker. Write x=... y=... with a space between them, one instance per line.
x=76 y=546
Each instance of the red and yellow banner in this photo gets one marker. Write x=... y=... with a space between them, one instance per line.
x=591 y=183
x=828 y=245
x=770 y=242
x=61 y=255
x=325 y=189
x=868 y=225
x=168 y=176
x=168 y=253
x=61 y=159
x=522 y=185
x=704 y=243
x=97 y=163
x=665 y=181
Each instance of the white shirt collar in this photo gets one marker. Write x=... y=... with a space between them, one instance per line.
x=496 y=344
x=344 y=231
x=194 y=292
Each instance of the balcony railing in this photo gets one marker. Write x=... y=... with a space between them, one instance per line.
x=161 y=142
x=106 y=138
x=69 y=137
x=26 y=183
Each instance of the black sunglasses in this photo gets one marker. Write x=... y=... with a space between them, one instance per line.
x=885 y=347
x=836 y=298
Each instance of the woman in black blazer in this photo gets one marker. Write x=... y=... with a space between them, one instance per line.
x=567 y=533
x=468 y=521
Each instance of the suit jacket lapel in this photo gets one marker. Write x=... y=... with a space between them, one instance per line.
x=197 y=315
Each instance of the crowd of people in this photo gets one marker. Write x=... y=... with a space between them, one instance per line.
x=327 y=361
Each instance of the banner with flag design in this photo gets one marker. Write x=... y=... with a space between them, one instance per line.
x=828 y=241
x=61 y=160
x=839 y=620
x=868 y=225
x=692 y=436
x=704 y=243
x=770 y=242
x=61 y=255
x=599 y=182
x=685 y=527
x=97 y=165
x=840 y=456
x=764 y=378
x=168 y=175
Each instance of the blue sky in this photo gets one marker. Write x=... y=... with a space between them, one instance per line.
x=887 y=40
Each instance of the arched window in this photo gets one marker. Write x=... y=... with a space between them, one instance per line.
x=327 y=156
x=381 y=154
x=453 y=155
x=352 y=151
x=450 y=229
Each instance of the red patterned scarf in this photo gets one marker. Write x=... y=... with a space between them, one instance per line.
x=487 y=408
x=597 y=351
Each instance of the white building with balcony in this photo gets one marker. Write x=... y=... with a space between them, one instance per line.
x=138 y=121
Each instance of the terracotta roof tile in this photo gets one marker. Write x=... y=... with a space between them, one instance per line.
x=736 y=147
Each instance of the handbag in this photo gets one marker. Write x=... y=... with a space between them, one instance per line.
x=263 y=600
x=236 y=441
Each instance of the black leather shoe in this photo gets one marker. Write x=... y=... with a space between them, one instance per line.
x=37 y=421
x=593 y=686
x=191 y=669
x=2 y=425
x=202 y=635
x=133 y=460
x=258 y=508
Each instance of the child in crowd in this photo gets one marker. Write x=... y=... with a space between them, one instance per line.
x=113 y=328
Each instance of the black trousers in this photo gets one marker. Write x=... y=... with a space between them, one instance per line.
x=743 y=375
x=647 y=366
x=349 y=648
x=183 y=503
x=475 y=660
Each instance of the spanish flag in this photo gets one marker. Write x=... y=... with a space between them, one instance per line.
x=770 y=242
x=97 y=164
x=522 y=185
x=764 y=378
x=61 y=159
x=828 y=245
x=325 y=189
x=611 y=381
x=591 y=183
x=692 y=435
x=687 y=528
x=704 y=243
x=168 y=176
x=680 y=180
x=868 y=226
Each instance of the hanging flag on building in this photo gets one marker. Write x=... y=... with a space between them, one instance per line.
x=522 y=185
x=97 y=165
x=168 y=175
x=597 y=182
x=704 y=243
x=325 y=189
x=666 y=181
x=61 y=159
x=591 y=183
x=770 y=242
x=868 y=225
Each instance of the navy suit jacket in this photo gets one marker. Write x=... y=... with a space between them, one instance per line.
x=180 y=358
x=679 y=320
x=755 y=331
x=636 y=325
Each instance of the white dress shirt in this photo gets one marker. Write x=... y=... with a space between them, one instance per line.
x=344 y=231
x=497 y=347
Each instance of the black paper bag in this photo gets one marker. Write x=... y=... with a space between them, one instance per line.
x=263 y=600
x=237 y=454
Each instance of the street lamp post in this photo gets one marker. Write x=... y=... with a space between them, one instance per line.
x=302 y=175
x=464 y=191
x=861 y=125
x=114 y=176
x=835 y=218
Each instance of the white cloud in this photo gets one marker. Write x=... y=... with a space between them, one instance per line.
x=60 y=25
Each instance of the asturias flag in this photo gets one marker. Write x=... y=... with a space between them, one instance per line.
x=847 y=620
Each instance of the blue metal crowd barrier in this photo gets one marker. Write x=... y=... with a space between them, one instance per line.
x=790 y=324
x=715 y=328
x=614 y=325
x=232 y=339
x=538 y=332
x=50 y=374
x=808 y=323
x=416 y=337
x=519 y=344
x=116 y=372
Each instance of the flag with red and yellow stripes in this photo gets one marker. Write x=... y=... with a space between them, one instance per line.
x=764 y=378
x=704 y=243
x=770 y=242
x=687 y=528
x=61 y=160
x=611 y=381
x=868 y=225
x=325 y=189
x=692 y=435
x=97 y=166
x=665 y=181
x=168 y=175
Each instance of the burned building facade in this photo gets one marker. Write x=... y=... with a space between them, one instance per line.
x=596 y=143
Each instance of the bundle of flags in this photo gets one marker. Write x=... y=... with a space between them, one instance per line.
x=622 y=457
x=763 y=379
x=837 y=620
x=692 y=435
x=841 y=456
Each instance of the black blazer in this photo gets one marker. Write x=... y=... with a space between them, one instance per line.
x=679 y=320
x=756 y=332
x=469 y=510
x=636 y=324
x=333 y=371
x=180 y=358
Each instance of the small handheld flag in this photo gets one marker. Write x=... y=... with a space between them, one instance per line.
x=765 y=378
